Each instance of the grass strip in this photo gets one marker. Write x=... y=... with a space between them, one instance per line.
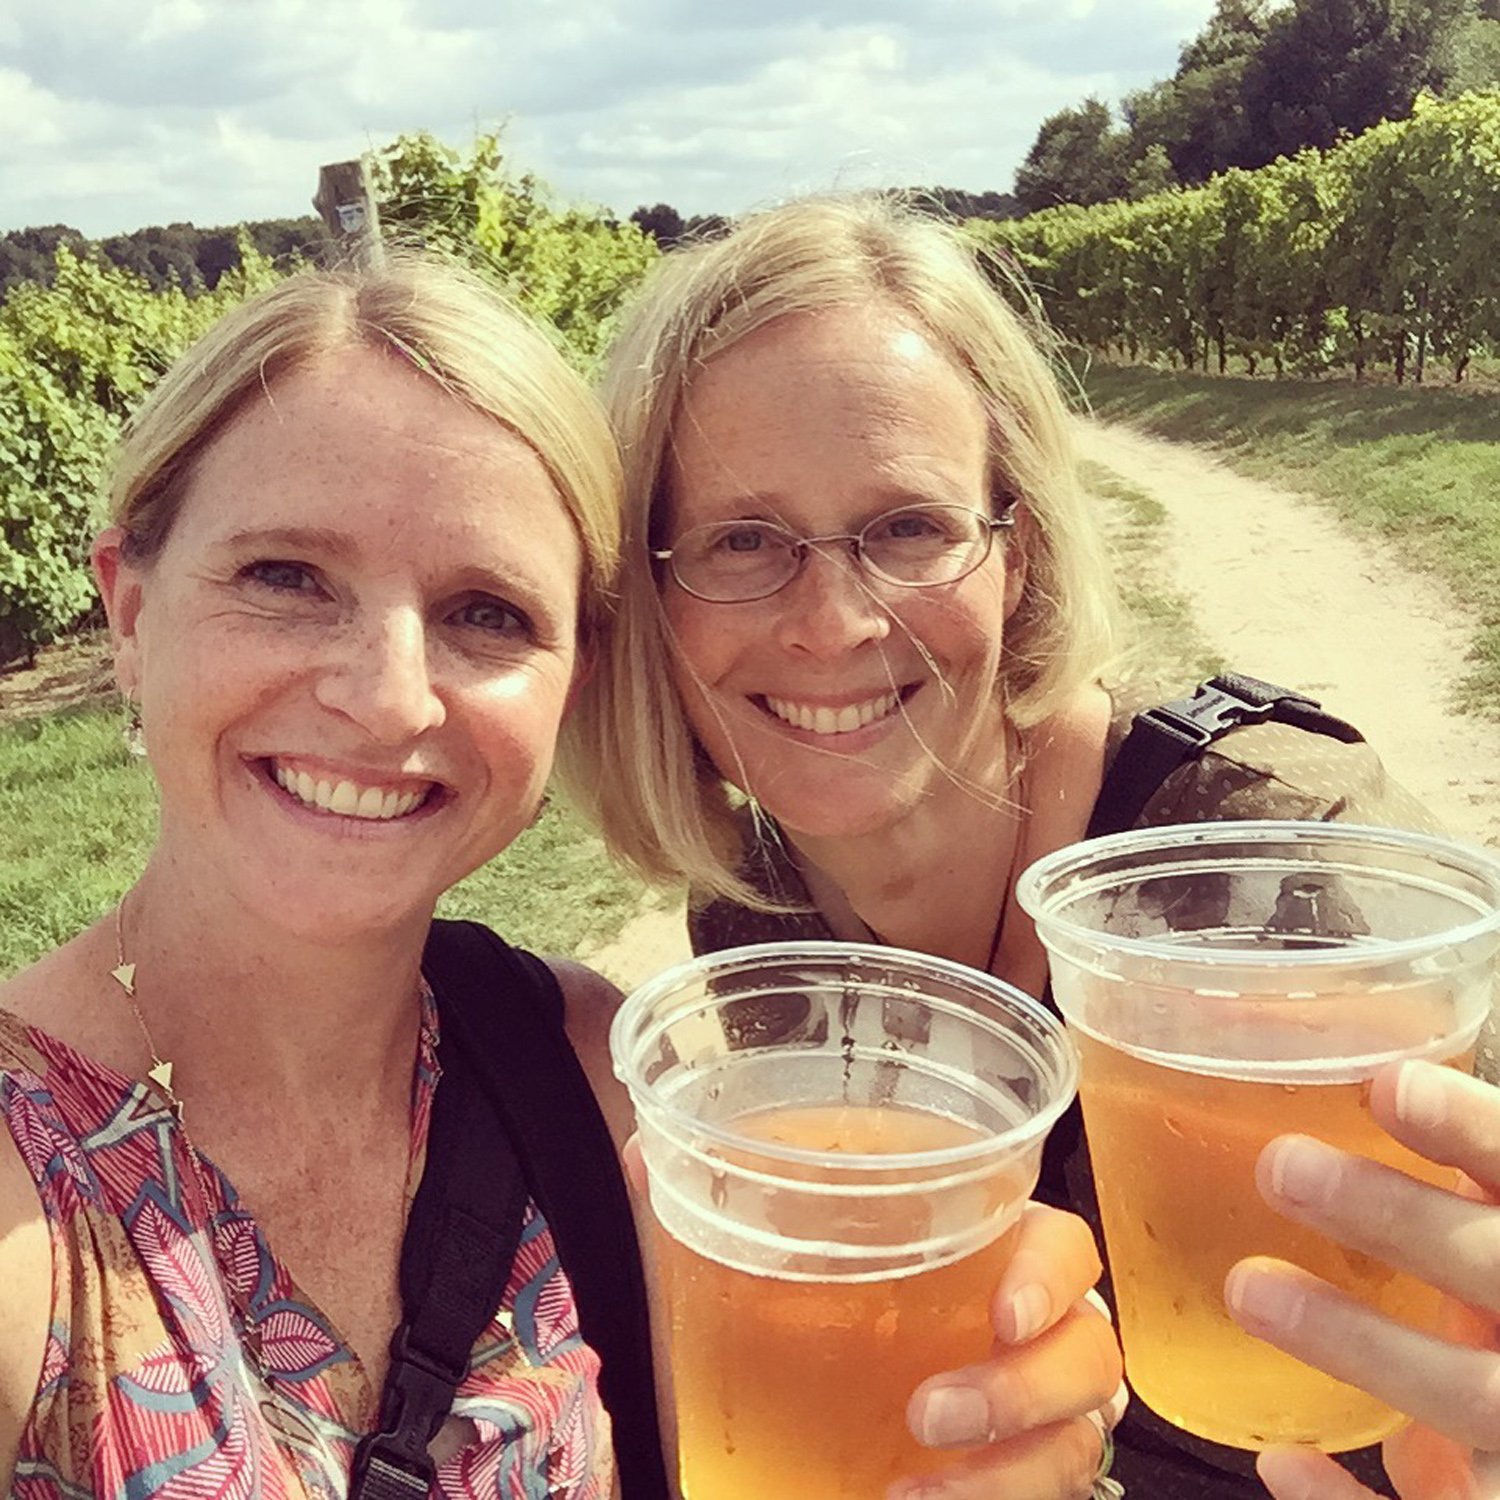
x=1165 y=652
x=1418 y=466
x=78 y=817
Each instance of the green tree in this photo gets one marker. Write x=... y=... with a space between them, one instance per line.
x=30 y=254
x=1473 y=58
x=1266 y=78
x=1079 y=156
x=662 y=222
x=1151 y=173
x=1335 y=68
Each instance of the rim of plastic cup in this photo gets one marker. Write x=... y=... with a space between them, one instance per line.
x=1471 y=858
x=626 y=1037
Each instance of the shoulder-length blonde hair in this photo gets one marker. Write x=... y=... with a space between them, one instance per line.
x=629 y=756
x=441 y=321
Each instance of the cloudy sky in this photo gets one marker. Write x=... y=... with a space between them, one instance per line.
x=120 y=113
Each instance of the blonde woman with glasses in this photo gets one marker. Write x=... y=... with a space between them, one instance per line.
x=862 y=673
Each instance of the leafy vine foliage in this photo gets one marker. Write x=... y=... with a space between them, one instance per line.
x=78 y=354
x=1379 y=251
x=75 y=357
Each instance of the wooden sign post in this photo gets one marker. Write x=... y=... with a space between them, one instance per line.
x=347 y=206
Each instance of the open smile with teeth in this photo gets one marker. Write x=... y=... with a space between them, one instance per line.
x=821 y=719
x=350 y=799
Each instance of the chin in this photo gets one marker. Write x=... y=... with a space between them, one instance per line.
x=835 y=815
x=318 y=922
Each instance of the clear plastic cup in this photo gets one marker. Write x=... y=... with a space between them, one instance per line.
x=839 y=1140
x=1226 y=983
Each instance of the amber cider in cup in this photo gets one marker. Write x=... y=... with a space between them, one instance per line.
x=839 y=1141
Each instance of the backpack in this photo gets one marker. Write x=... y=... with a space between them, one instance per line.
x=1170 y=735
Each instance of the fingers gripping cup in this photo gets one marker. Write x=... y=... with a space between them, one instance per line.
x=1226 y=983
x=839 y=1141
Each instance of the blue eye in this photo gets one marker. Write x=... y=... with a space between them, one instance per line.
x=282 y=576
x=495 y=616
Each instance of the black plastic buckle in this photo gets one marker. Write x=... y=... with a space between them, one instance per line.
x=375 y=1477
x=392 y=1462
x=1211 y=711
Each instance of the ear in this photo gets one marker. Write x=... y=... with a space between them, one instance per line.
x=1018 y=542
x=121 y=586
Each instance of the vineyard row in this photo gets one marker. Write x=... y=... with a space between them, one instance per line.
x=1380 y=251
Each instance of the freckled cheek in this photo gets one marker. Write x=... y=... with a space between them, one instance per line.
x=706 y=647
x=973 y=618
x=190 y=669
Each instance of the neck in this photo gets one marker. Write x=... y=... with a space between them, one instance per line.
x=936 y=881
x=941 y=879
x=225 y=997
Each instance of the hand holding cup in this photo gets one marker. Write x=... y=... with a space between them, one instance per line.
x=1446 y=1237
x=1224 y=981
x=1032 y=1412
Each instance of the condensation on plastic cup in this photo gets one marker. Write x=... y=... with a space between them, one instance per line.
x=777 y=1026
x=1314 y=933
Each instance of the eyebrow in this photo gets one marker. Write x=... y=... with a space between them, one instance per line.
x=322 y=539
x=770 y=505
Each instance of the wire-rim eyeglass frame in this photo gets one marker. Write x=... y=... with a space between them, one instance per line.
x=800 y=547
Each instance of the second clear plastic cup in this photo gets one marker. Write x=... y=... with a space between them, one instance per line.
x=1226 y=983
x=839 y=1141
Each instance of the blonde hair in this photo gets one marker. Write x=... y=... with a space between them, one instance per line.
x=439 y=319
x=628 y=754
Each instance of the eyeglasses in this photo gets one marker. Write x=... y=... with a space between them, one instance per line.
x=913 y=547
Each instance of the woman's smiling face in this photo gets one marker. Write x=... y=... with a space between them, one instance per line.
x=354 y=650
x=839 y=701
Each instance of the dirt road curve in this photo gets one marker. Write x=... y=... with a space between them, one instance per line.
x=1280 y=591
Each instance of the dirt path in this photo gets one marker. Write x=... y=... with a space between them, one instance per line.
x=1280 y=591
x=653 y=941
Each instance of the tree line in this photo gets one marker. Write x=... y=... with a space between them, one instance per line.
x=1263 y=79
x=669 y=228
x=183 y=255
x=180 y=255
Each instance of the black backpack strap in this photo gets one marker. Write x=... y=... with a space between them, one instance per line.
x=456 y=1258
x=1170 y=735
x=503 y=1011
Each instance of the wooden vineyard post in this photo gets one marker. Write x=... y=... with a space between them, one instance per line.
x=347 y=207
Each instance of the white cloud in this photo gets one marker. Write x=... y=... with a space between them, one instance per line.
x=118 y=113
x=30 y=117
x=170 y=18
x=842 y=109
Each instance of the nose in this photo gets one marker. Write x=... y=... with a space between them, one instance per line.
x=830 y=609
x=379 y=676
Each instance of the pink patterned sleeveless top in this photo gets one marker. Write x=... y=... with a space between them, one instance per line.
x=147 y=1387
